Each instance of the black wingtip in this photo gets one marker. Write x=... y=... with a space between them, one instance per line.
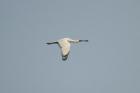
x=83 y=40
x=86 y=40
x=47 y=43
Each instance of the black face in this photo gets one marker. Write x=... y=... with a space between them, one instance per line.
x=83 y=40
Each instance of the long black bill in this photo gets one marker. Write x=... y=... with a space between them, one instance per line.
x=83 y=40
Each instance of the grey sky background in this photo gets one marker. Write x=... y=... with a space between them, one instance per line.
x=109 y=63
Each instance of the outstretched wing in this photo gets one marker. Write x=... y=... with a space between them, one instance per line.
x=65 y=52
x=49 y=43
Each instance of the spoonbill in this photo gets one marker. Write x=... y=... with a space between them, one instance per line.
x=64 y=44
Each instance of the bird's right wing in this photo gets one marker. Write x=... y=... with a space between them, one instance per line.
x=65 y=52
x=49 y=43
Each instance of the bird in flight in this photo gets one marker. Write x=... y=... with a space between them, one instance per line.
x=64 y=45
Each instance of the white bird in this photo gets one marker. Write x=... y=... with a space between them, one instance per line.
x=64 y=45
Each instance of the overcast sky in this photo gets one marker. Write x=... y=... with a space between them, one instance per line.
x=109 y=63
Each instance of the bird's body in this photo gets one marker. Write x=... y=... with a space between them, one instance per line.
x=65 y=45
